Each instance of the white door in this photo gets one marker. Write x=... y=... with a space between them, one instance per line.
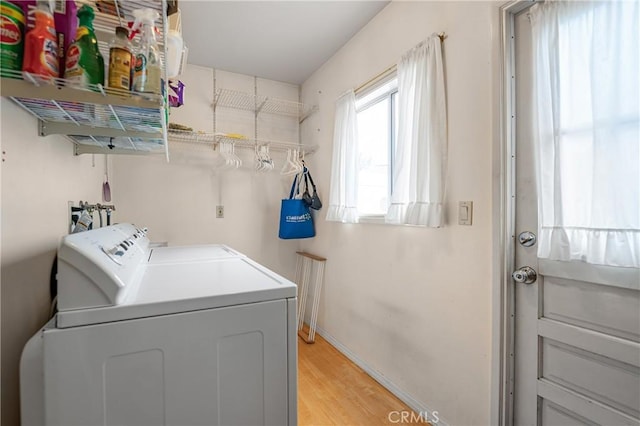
x=577 y=328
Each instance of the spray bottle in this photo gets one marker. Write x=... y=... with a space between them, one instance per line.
x=40 y=46
x=84 y=63
x=148 y=63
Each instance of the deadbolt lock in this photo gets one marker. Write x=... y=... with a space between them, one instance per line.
x=527 y=238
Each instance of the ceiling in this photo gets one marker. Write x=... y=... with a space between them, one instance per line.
x=277 y=40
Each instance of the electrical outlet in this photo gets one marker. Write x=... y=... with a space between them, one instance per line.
x=219 y=212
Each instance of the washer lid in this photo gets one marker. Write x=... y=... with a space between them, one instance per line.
x=196 y=253
x=170 y=288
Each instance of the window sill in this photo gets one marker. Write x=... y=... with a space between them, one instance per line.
x=378 y=220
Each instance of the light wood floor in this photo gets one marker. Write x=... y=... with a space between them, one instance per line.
x=334 y=391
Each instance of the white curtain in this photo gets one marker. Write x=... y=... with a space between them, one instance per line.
x=344 y=167
x=587 y=118
x=421 y=154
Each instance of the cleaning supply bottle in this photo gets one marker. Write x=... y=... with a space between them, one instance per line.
x=12 y=21
x=120 y=58
x=65 y=15
x=40 y=46
x=84 y=63
x=148 y=63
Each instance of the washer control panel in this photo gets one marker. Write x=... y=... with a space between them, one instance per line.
x=101 y=267
x=118 y=251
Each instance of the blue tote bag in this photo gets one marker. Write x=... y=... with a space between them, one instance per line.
x=295 y=217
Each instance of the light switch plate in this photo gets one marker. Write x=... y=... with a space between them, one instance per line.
x=465 y=212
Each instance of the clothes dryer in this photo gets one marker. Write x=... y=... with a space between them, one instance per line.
x=194 y=335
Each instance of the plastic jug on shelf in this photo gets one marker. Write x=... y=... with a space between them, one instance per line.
x=176 y=49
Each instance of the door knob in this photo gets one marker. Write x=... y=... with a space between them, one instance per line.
x=525 y=275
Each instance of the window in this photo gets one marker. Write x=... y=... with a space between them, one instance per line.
x=588 y=131
x=377 y=134
x=396 y=168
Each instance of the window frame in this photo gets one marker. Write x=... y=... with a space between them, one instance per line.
x=392 y=96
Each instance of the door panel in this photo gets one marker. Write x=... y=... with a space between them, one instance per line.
x=583 y=409
x=581 y=303
x=552 y=414
x=577 y=327
x=609 y=381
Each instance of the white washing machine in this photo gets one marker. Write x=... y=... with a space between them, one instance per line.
x=194 y=335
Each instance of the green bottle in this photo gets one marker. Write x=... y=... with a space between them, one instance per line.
x=84 y=64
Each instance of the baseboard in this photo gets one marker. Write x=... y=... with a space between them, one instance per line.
x=403 y=396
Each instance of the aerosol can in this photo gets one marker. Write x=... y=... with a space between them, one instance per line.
x=147 y=63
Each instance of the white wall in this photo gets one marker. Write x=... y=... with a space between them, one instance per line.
x=415 y=304
x=39 y=176
x=177 y=200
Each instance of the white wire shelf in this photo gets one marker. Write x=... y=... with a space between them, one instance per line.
x=82 y=113
x=214 y=139
x=117 y=145
x=97 y=119
x=261 y=104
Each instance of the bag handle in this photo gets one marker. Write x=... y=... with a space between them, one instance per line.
x=294 y=187
x=306 y=183
x=308 y=176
